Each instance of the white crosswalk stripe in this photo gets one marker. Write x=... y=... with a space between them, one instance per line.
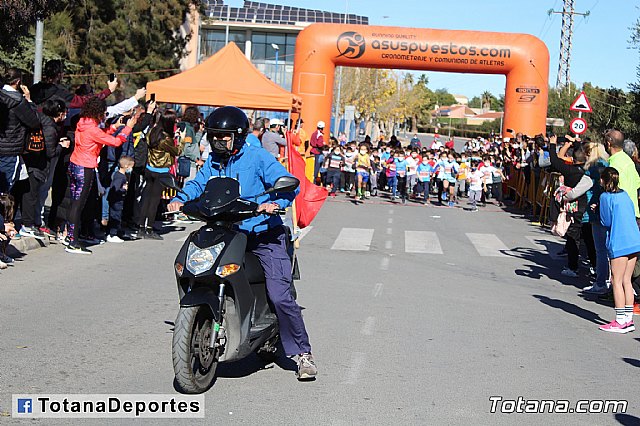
x=488 y=245
x=353 y=239
x=422 y=242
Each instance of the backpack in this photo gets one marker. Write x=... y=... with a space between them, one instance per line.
x=140 y=149
x=35 y=142
x=562 y=224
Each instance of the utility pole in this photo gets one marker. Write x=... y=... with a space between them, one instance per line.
x=37 y=62
x=566 y=37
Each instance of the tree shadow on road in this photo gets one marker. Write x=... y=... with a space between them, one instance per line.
x=542 y=264
x=570 y=308
x=627 y=419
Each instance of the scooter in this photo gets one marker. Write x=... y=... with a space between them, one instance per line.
x=225 y=314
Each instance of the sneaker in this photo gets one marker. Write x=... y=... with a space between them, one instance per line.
x=6 y=259
x=77 y=249
x=451 y=204
x=46 y=231
x=3 y=265
x=475 y=209
x=91 y=240
x=614 y=327
x=569 y=273
x=150 y=234
x=595 y=289
x=114 y=239
x=27 y=231
x=592 y=271
x=65 y=241
x=183 y=218
x=629 y=326
x=307 y=369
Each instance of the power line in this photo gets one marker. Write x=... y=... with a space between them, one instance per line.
x=566 y=40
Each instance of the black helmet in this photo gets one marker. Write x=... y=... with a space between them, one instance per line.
x=229 y=120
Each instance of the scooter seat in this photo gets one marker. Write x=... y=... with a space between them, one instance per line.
x=253 y=269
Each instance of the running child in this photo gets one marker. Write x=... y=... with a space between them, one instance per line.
x=477 y=184
x=425 y=170
x=363 y=170
x=333 y=163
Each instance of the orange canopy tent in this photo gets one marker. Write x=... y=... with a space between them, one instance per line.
x=226 y=78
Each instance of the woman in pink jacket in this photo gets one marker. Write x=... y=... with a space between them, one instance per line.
x=89 y=140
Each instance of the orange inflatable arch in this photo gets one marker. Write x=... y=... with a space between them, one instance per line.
x=522 y=58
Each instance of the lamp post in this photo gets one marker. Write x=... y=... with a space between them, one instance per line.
x=277 y=49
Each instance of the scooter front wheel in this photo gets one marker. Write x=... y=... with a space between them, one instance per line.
x=194 y=363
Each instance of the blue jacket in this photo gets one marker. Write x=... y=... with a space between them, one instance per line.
x=253 y=140
x=256 y=170
x=619 y=217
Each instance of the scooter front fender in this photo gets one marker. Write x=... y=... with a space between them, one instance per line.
x=202 y=296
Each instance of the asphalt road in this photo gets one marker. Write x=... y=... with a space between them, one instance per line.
x=417 y=327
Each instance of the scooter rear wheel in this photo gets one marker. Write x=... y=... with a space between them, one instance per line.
x=194 y=364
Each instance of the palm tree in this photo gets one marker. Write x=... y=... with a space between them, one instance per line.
x=486 y=101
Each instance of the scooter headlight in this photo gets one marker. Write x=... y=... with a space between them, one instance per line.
x=201 y=260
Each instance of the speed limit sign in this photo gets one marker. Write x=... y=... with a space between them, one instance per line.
x=578 y=125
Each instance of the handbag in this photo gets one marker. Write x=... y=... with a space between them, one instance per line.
x=561 y=226
x=35 y=143
x=184 y=167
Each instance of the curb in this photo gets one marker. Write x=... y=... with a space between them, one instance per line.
x=26 y=244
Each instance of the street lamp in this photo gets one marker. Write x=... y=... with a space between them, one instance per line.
x=277 y=49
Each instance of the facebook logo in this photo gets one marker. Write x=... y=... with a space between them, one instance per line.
x=24 y=405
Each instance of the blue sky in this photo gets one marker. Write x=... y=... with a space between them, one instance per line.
x=600 y=54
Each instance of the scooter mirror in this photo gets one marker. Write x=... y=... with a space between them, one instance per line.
x=285 y=184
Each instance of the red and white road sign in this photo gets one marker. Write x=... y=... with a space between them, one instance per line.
x=578 y=125
x=581 y=103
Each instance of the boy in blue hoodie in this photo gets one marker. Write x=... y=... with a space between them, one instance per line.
x=425 y=171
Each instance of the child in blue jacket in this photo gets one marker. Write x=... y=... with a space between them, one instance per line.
x=617 y=215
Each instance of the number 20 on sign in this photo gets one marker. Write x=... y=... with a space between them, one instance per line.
x=578 y=125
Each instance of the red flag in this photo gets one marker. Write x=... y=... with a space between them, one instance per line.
x=311 y=197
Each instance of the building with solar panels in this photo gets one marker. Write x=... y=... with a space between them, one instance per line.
x=265 y=32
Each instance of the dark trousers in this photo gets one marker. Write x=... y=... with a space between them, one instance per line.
x=30 y=200
x=59 y=192
x=316 y=166
x=496 y=191
x=270 y=248
x=402 y=186
x=80 y=182
x=424 y=188
x=587 y=236
x=132 y=205
x=440 y=184
x=333 y=179
x=573 y=242
x=115 y=216
x=150 y=198
x=9 y=172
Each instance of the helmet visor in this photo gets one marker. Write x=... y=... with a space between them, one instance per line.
x=220 y=135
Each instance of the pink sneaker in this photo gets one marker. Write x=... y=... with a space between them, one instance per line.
x=629 y=326
x=615 y=327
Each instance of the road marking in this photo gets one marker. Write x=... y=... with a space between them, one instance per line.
x=303 y=232
x=487 y=245
x=389 y=231
x=388 y=245
x=368 y=326
x=377 y=289
x=183 y=239
x=384 y=264
x=422 y=242
x=390 y=221
x=391 y=211
x=356 y=366
x=353 y=239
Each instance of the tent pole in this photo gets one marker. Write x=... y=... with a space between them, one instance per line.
x=294 y=213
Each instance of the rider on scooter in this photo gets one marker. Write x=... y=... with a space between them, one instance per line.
x=256 y=170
